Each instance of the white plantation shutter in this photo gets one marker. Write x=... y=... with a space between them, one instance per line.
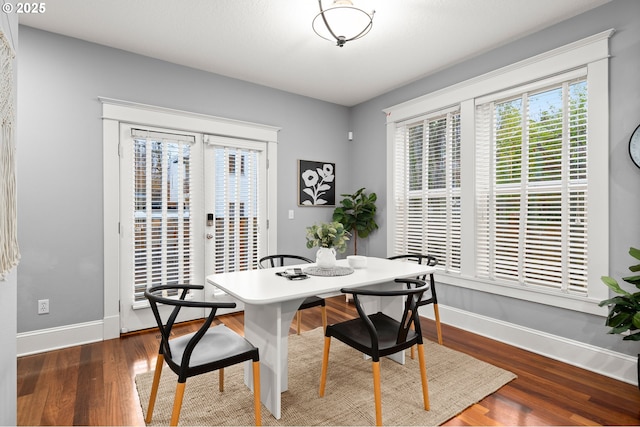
x=163 y=238
x=531 y=188
x=239 y=211
x=427 y=188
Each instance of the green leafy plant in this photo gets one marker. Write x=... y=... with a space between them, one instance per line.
x=328 y=235
x=357 y=214
x=624 y=310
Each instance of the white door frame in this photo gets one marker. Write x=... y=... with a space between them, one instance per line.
x=116 y=111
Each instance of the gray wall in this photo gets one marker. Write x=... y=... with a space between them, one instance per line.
x=368 y=124
x=60 y=165
x=8 y=290
x=60 y=162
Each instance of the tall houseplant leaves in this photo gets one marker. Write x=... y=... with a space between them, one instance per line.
x=357 y=213
x=624 y=309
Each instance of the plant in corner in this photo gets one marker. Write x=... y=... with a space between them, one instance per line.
x=624 y=309
x=357 y=214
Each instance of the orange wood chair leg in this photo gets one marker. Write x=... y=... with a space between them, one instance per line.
x=154 y=387
x=325 y=363
x=436 y=312
x=256 y=392
x=413 y=351
x=376 y=392
x=324 y=318
x=299 y=321
x=423 y=377
x=221 y=380
x=177 y=404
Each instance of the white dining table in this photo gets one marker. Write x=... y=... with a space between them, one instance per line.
x=271 y=301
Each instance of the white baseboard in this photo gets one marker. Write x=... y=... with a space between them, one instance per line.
x=612 y=364
x=60 y=337
x=596 y=359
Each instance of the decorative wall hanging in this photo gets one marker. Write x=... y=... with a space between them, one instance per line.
x=316 y=183
x=9 y=253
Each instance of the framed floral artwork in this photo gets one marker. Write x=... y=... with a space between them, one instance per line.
x=316 y=183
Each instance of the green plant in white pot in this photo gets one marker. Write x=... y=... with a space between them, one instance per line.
x=330 y=238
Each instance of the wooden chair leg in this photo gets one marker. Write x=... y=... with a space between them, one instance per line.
x=436 y=312
x=299 y=321
x=324 y=317
x=423 y=377
x=325 y=363
x=177 y=404
x=413 y=351
x=221 y=380
x=376 y=392
x=154 y=387
x=256 y=392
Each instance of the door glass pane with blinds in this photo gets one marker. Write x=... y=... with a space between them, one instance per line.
x=163 y=237
x=427 y=188
x=239 y=199
x=531 y=188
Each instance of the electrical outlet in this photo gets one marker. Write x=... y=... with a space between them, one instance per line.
x=43 y=306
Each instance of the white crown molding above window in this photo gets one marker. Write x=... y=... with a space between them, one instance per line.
x=569 y=56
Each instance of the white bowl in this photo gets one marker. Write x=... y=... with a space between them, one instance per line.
x=357 y=261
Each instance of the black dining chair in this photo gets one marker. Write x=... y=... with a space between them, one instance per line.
x=378 y=335
x=433 y=299
x=208 y=349
x=271 y=261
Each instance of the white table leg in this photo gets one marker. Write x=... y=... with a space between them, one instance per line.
x=267 y=327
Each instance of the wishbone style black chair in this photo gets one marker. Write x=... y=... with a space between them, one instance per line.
x=208 y=349
x=379 y=335
x=271 y=261
x=432 y=262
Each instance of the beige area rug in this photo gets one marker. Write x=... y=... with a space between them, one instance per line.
x=456 y=381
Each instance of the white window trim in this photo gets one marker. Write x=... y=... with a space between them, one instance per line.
x=591 y=52
x=114 y=112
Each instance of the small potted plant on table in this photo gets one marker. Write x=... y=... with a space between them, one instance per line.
x=329 y=238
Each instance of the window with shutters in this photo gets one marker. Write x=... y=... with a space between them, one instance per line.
x=427 y=193
x=504 y=178
x=531 y=188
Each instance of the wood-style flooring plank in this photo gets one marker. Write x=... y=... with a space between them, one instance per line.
x=94 y=384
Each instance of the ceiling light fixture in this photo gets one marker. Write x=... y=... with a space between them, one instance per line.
x=347 y=22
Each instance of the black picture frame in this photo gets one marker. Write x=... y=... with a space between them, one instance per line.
x=316 y=183
x=634 y=146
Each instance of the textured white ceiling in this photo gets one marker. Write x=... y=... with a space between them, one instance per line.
x=271 y=42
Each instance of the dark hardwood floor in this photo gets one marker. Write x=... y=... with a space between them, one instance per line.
x=93 y=384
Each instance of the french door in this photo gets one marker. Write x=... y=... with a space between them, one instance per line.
x=190 y=205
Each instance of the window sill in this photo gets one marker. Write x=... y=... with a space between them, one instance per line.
x=540 y=296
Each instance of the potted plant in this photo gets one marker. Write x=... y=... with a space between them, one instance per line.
x=624 y=309
x=329 y=238
x=357 y=214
